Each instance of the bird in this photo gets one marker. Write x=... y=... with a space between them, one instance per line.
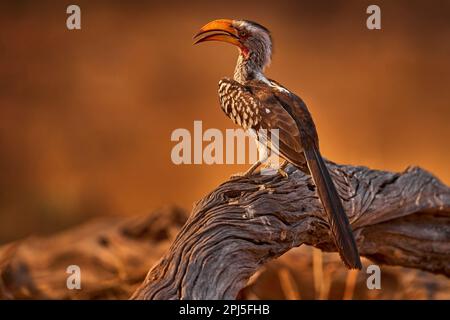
x=257 y=104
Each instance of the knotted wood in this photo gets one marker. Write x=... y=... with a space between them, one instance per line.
x=398 y=219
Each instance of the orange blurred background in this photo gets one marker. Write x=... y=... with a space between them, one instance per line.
x=86 y=116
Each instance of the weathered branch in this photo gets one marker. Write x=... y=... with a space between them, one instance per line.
x=398 y=219
x=113 y=253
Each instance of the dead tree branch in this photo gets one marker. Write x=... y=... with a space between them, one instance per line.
x=398 y=219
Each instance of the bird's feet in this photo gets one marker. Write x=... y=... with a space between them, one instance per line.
x=281 y=169
x=283 y=173
x=247 y=173
x=239 y=175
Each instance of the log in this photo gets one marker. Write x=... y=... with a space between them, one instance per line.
x=398 y=219
x=114 y=254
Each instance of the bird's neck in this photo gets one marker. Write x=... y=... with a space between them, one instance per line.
x=249 y=68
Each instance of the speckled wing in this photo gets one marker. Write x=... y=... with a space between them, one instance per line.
x=254 y=106
x=299 y=112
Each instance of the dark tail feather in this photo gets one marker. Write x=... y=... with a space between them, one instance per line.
x=332 y=204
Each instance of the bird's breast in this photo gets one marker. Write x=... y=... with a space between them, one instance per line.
x=239 y=105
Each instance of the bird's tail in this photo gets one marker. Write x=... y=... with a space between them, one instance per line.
x=337 y=218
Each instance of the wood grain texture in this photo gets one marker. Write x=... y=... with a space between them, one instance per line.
x=398 y=219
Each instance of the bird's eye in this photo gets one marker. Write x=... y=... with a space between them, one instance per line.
x=242 y=33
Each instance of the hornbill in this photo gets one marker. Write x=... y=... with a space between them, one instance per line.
x=255 y=102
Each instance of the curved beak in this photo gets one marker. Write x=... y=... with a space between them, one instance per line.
x=218 y=30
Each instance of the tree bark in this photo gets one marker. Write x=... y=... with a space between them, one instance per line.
x=398 y=219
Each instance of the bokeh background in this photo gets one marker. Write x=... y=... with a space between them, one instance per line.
x=86 y=116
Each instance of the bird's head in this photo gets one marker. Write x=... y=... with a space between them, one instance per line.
x=252 y=39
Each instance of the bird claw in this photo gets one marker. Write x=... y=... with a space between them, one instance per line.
x=283 y=173
x=281 y=169
x=239 y=175
x=247 y=173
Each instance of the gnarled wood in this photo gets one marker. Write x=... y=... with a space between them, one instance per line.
x=398 y=219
